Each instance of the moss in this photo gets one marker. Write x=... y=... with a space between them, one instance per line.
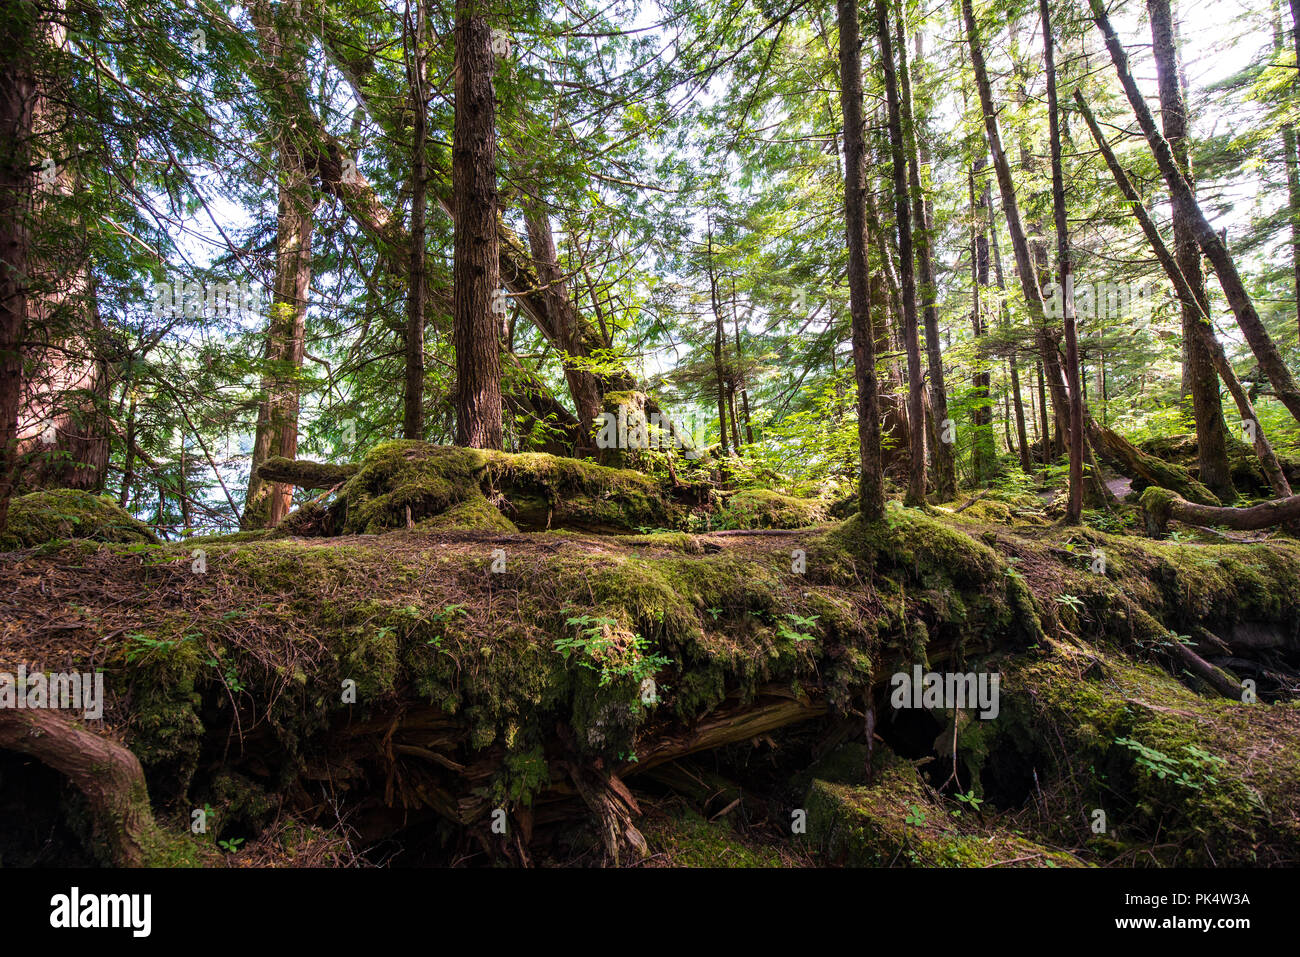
x=475 y=514
x=1191 y=780
x=688 y=840
x=1156 y=504
x=405 y=483
x=42 y=517
x=313 y=475
x=758 y=508
x=896 y=822
x=1247 y=474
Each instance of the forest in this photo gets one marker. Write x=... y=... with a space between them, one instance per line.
x=681 y=434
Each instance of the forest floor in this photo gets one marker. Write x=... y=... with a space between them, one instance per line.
x=503 y=715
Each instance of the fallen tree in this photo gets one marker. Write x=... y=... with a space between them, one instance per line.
x=1159 y=505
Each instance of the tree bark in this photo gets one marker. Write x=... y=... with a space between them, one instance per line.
x=413 y=391
x=107 y=774
x=1074 y=509
x=1199 y=376
x=871 y=483
x=18 y=91
x=475 y=328
x=902 y=214
x=1161 y=505
x=277 y=414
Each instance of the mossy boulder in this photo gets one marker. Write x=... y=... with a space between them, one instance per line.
x=42 y=517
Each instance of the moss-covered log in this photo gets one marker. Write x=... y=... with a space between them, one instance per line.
x=1160 y=505
x=1148 y=470
x=426 y=691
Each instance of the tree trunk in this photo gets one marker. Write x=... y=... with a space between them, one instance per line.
x=902 y=214
x=1074 y=510
x=1290 y=159
x=983 y=449
x=1199 y=376
x=945 y=477
x=1025 y=266
x=18 y=41
x=1018 y=402
x=277 y=414
x=719 y=335
x=475 y=326
x=413 y=392
x=1213 y=245
x=1160 y=505
x=871 y=489
x=108 y=775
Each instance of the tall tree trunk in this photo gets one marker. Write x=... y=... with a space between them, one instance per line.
x=871 y=489
x=945 y=477
x=277 y=415
x=1211 y=242
x=1289 y=157
x=902 y=215
x=413 y=393
x=1074 y=509
x=584 y=385
x=983 y=449
x=1199 y=377
x=1025 y=265
x=1018 y=402
x=475 y=271
x=719 y=336
x=19 y=33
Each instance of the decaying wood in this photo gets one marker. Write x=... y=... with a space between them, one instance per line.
x=1160 y=509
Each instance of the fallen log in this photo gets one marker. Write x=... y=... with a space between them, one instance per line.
x=1152 y=471
x=1159 y=505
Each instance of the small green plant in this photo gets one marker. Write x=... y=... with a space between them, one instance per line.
x=970 y=800
x=600 y=647
x=1193 y=771
x=1073 y=602
x=915 y=816
x=230 y=846
x=141 y=645
x=785 y=631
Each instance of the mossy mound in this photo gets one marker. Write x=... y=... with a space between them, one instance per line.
x=759 y=508
x=1247 y=474
x=42 y=517
x=686 y=839
x=1187 y=779
x=895 y=821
